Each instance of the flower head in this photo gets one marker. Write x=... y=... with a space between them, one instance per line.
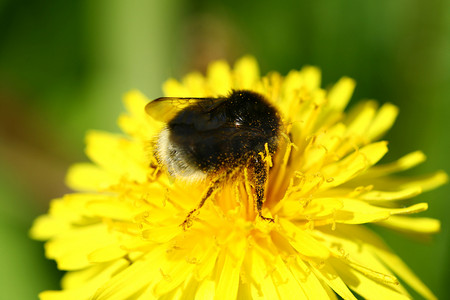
x=119 y=236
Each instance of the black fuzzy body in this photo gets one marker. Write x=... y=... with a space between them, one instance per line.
x=225 y=135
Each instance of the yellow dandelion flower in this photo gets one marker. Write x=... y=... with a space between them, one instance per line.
x=119 y=235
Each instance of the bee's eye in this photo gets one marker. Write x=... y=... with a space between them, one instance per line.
x=239 y=121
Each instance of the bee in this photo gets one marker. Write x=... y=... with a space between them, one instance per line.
x=217 y=138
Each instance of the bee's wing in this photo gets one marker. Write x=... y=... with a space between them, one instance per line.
x=165 y=108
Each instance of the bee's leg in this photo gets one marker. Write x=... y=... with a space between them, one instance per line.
x=260 y=176
x=212 y=187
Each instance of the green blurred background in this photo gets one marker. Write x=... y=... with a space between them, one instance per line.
x=64 y=66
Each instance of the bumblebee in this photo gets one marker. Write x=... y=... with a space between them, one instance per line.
x=216 y=138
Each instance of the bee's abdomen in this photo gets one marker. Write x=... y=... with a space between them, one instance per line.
x=212 y=150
